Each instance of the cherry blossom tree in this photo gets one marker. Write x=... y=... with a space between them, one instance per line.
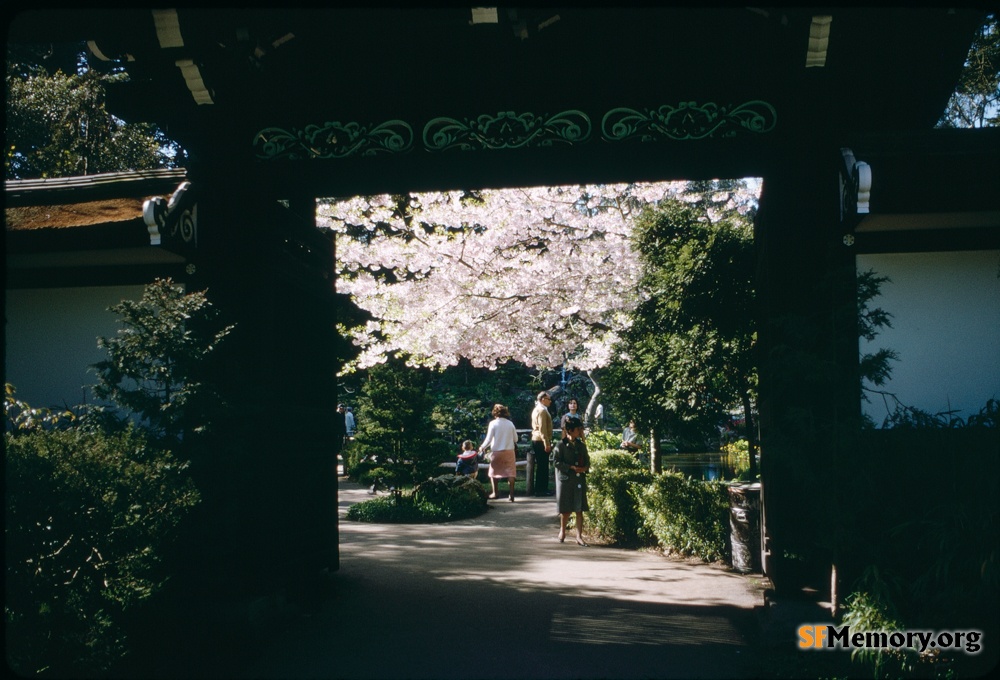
x=545 y=276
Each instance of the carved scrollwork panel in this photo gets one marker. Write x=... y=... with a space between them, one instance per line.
x=506 y=130
x=688 y=120
x=333 y=140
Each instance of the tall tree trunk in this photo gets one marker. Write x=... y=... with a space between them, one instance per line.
x=655 y=460
x=588 y=415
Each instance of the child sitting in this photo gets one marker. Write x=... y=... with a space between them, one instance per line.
x=468 y=460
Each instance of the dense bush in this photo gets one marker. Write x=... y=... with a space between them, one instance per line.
x=442 y=499
x=89 y=518
x=388 y=509
x=395 y=442
x=871 y=611
x=614 y=478
x=156 y=362
x=631 y=506
x=458 y=495
x=687 y=516
x=603 y=440
x=931 y=559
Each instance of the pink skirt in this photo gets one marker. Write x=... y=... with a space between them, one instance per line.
x=502 y=464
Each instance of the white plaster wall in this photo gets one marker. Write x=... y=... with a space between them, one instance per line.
x=51 y=340
x=946 y=329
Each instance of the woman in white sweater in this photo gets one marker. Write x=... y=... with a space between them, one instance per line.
x=501 y=438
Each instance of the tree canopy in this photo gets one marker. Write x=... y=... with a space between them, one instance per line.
x=976 y=100
x=58 y=125
x=687 y=357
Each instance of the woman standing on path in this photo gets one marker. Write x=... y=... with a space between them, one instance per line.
x=572 y=462
x=501 y=437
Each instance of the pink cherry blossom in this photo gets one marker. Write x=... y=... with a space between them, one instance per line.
x=540 y=275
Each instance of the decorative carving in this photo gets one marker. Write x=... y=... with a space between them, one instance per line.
x=154 y=214
x=507 y=130
x=862 y=178
x=168 y=218
x=855 y=185
x=511 y=130
x=334 y=140
x=688 y=120
x=188 y=225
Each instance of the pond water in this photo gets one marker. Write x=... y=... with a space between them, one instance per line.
x=711 y=465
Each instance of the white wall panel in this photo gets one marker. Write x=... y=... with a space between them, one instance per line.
x=946 y=329
x=51 y=339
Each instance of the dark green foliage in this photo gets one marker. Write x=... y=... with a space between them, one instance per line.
x=21 y=417
x=442 y=499
x=395 y=441
x=459 y=495
x=866 y=611
x=389 y=509
x=155 y=363
x=874 y=368
x=473 y=392
x=688 y=357
x=89 y=520
x=459 y=419
x=614 y=479
x=923 y=549
x=603 y=440
x=687 y=516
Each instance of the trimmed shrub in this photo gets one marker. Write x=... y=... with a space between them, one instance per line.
x=389 y=509
x=442 y=499
x=457 y=495
x=89 y=517
x=687 y=516
x=612 y=482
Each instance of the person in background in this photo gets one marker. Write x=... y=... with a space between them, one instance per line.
x=574 y=412
x=541 y=443
x=630 y=438
x=349 y=421
x=340 y=442
x=572 y=463
x=501 y=439
x=468 y=460
x=341 y=425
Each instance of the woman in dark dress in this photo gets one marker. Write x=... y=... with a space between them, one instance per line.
x=572 y=463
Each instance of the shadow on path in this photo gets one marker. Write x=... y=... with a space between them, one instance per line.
x=499 y=597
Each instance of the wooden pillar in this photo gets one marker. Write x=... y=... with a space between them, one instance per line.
x=270 y=476
x=808 y=364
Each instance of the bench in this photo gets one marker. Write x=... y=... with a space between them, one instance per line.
x=524 y=471
x=521 y=464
